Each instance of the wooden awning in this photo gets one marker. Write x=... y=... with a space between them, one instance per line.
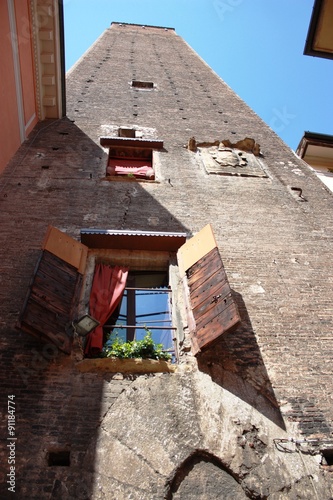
x=108 y=142
x=133 y=240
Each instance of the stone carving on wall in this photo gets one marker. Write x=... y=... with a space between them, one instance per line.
x=227 y=158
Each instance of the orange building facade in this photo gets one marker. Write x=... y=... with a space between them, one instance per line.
x=31 y=62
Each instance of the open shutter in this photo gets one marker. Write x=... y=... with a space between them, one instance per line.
x=212 y=310
x=53 y=293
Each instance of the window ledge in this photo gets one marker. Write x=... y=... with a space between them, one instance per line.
x=128 y=365
x=125 y=178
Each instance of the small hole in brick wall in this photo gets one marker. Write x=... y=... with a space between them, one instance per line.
x=59 y=458
x=327 y=457
x=63 y=133
x=45 y=166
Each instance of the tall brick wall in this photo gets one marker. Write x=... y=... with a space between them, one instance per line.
x=269 y=379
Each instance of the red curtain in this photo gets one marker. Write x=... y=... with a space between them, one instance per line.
x=145 y=172
x=136 y=167
x=106 y=293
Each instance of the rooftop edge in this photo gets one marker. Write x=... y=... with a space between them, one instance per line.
x=141 y=25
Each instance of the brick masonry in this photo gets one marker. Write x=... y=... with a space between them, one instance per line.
x=276 y=247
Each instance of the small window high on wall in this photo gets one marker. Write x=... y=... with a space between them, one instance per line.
x=143 y=85
x=130 y=163
x=130 y=157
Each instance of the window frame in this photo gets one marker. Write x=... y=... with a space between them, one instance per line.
x=138 y=260
x=132 y=326
x=132 y=160
x=130 y=150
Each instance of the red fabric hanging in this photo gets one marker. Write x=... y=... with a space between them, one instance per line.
x=136 y=167
x=145 y=172
x=106 y=293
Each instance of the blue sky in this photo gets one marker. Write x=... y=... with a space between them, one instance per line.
x=255 y=46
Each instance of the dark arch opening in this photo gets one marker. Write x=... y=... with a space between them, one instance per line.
x=197 y=459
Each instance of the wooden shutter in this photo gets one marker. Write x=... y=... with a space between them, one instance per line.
x=53 y=293
x=212 y=310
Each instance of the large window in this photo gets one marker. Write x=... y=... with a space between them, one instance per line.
x=132 y=292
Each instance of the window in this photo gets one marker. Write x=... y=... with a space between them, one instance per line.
x=130 y=162
x=129 y=132
x=130 y=158
x=150 y=265
x=139 y=84
x=146 y=305
x=150 y=286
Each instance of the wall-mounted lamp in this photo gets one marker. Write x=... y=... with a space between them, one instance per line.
x=85 y=325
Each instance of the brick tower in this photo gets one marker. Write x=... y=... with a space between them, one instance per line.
x=162 y=172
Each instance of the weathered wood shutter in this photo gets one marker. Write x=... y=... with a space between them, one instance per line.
x=53 y=292
x=212 y=310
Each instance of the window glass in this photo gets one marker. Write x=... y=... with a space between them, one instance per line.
x=145 y=306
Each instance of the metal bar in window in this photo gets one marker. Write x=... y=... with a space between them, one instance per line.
x=156 y=290
x=142 y=327
x=156 y=321
x=150 y=324
x=131 y=313
x=152 y=314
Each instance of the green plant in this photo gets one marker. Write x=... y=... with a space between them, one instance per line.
x=145 y=348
